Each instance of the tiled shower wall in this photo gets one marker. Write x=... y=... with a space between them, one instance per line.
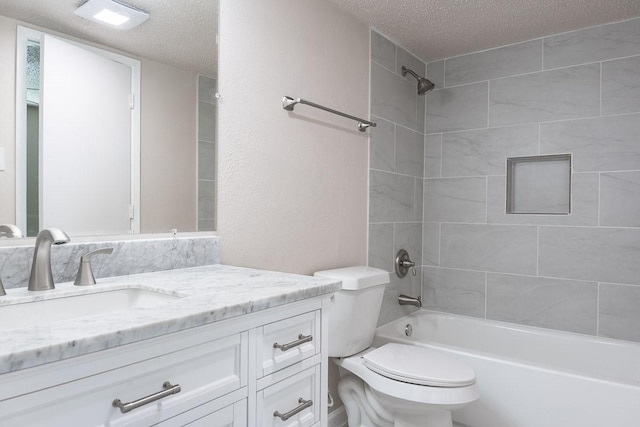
x=396 y=169
x=576 y=92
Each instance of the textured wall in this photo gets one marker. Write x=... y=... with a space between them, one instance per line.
x=396 y=169
x=292 y=185
x=577 y=93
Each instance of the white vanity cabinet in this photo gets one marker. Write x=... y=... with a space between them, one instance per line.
x=227 y=373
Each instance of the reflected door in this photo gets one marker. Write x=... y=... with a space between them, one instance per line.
x=85 y=147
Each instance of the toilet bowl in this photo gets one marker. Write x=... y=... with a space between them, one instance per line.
x=404 y=385
x=395 y=385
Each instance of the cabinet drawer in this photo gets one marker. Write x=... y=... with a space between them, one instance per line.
x=204 y=372
x=296 y=398
x=288 y=341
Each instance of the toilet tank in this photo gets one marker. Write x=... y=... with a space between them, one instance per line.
x=353 y=312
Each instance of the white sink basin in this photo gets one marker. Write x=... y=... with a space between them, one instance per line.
x=42 y=312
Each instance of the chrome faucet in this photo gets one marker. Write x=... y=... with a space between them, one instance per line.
x=10 y=231
x=41 y=278
x=407 y=300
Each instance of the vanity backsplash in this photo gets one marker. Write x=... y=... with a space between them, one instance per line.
x=128 y=257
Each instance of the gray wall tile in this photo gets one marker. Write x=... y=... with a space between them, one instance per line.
x=505 y=61
x=383 y=51
x=596 y=254
x=621 y=86
x=206 y=121
x=422 y=113
x=485 y=151
x=397 y=168
x=382 y=145
x=391 y=197
x=435 y=73
x=206 y=199
x=408 y=60
x=393 y=98
x=620 y=199
x=458 y=108
x=592 y=44
x=432 y=155
x=584 y=204
x=419 y=199
x=409 y=152
x=431 y=243
x=597 y=144
x=549 y=95
x=207 y=89
x=454 y=291
x=455 y=199
x=619 y=311
x=381 y=246
x=548 y=303
x=206 y=160
x=408 y=236
x=498 y=248
x=206 y=224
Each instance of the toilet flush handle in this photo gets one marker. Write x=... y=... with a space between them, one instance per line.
x=404 y=263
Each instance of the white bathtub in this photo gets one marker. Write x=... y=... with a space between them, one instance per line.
x=532 y=377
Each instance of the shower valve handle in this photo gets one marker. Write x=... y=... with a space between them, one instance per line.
x=404 y=263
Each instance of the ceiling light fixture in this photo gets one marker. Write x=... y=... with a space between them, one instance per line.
x=112 y=13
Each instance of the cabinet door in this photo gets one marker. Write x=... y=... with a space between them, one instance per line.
x=293 y=402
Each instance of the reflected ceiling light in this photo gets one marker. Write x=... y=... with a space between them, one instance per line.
x=112 y=13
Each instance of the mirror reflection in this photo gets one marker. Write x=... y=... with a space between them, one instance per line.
x=81 y=166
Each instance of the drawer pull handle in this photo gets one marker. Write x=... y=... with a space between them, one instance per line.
x=301 y=340
x=304 y=404
x=168 y=389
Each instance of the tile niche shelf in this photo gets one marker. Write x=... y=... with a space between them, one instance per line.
x=539 y=185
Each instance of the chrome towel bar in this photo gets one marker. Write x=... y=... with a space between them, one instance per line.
x=288 y=103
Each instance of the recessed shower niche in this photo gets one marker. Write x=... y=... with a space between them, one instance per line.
x=539 y=184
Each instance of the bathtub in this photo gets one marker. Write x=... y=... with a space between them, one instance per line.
x=532 y=377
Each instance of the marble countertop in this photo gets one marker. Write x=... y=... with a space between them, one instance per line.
x=205 y=294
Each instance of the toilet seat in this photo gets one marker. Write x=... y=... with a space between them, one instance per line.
x=450 y=396
x=418 y=365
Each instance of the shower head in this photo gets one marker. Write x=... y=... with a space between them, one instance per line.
x=424 y=85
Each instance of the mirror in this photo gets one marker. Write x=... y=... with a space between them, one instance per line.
x=177 y=55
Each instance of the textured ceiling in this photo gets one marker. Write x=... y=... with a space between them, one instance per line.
x=183 y=32
x=178 y=32
x=436 y=29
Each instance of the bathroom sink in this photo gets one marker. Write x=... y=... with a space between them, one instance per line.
x=42 y=312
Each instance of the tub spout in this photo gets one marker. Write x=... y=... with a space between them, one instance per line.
x=41 y=278
x=407 y=300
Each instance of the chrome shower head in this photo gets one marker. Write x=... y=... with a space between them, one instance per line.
x=424 y=85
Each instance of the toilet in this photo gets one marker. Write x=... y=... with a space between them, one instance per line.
x=395 y=385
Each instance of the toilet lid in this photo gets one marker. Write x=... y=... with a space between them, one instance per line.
x=419 y=365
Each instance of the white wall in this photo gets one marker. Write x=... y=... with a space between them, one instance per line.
x=168 y=139
x=7 y=113
x=293 y=186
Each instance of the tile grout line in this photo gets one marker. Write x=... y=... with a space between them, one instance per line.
x=598 y=310
x=486 y=292
x=538 y=251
